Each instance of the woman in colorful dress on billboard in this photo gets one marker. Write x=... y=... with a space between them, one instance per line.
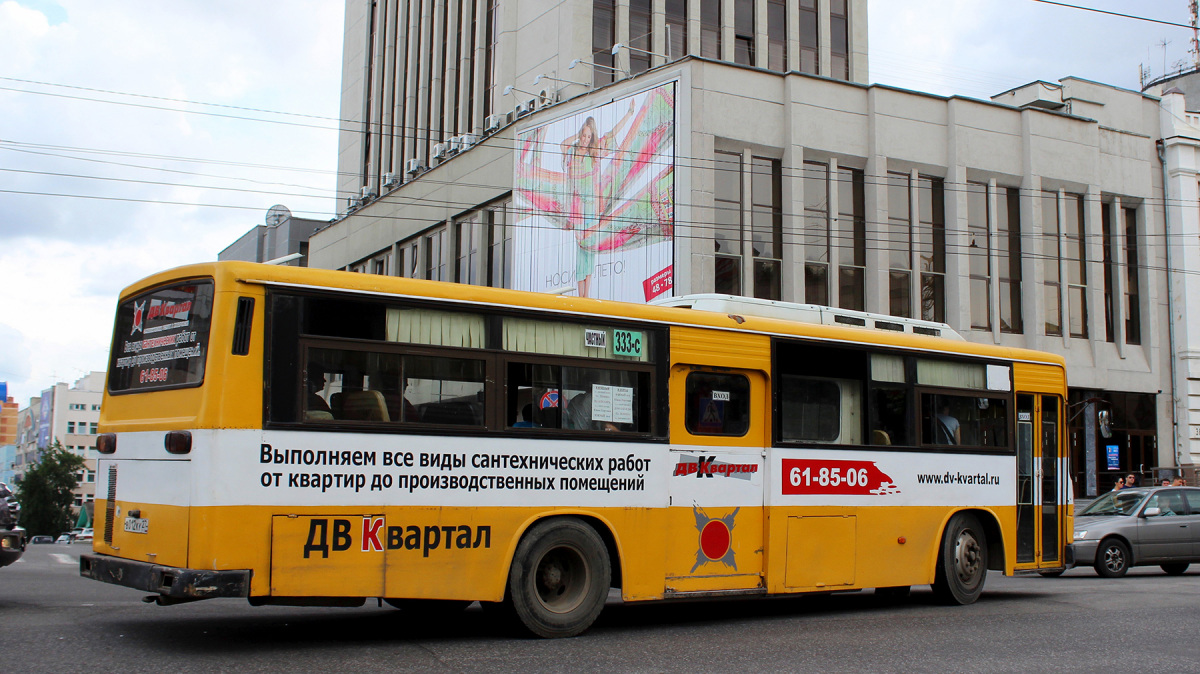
x=614 y=191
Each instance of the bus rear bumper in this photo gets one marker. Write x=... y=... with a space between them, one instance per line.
x=167 y=581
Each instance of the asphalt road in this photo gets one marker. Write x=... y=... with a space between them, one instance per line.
x=55 y=621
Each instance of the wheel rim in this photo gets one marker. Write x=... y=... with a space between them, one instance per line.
x=968 y=558
x=562 y=579
x=1114 y=558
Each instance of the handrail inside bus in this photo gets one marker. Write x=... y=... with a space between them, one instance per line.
x=808 y=313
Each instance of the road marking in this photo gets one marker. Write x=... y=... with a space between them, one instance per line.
x=62 y=559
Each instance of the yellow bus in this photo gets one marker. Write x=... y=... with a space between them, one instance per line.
x=313 y=437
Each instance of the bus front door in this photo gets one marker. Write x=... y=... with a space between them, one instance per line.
x=1042 y=484
x=715 y=539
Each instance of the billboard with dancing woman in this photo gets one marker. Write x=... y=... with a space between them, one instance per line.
x=595 y=201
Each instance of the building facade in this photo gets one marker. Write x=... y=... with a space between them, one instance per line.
x=283 y=239
x=70 y=415
x=750 y=157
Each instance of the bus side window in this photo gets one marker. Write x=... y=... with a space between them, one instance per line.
x=889 y=416
x=820 y=410
x=717 y=404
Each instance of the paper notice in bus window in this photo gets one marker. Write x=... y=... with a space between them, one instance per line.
x=622 y=401
x=602 y=402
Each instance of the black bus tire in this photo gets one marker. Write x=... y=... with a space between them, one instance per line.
x=962 y=561
x=559 y=578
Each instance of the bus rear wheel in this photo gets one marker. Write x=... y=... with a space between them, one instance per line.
x=962 y=561
x=559 y=578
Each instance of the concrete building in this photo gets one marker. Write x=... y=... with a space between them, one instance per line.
x=70 y=415
x=1031 y=220
x=281 y=236
x=1179 y=148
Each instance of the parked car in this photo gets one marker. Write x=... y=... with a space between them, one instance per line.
x=12 y=537
x=85 y=535
x=41 y=539
x=65 y=538
x=1139 y=527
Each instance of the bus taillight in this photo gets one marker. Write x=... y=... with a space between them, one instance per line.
x=178 y=442
x=106 y=443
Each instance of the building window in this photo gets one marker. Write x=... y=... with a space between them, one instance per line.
x=1124 y=221
x=727 y=229
x=816 y=233
x=1110 y=270
x=95 y=408
x=499 y=245
x=491 y=36
x=809 y=44
x=899 y=243
x=604 y=35
x=979 y=256
x=639 y=35
x=710 y=29
x=765 y=203
x=1133 y=307
x=70 y=427
x=743 y=32
x=93 y=428
x=435 y=258
x=1052 y=289
x=850 y=239
x=923 y=240
x=409 y=261
x=466 y=254
x=839 y=40
x=1008 y=255
x=766 y=226
x=676 y=28
x=777 y=35
x=1063 y=231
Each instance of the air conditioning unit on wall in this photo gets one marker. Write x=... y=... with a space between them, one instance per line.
x=413 y=166
x=493 y=123
x=440 y=150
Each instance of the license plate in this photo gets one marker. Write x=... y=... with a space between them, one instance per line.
x=137 y=525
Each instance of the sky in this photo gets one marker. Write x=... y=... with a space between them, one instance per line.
x=136 y=136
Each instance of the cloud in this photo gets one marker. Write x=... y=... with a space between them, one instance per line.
x=64 y=259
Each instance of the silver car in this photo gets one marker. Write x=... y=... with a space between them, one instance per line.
x=1139 y=527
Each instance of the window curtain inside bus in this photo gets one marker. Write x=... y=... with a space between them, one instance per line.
x=562 y=339
x=435 y=328
x=887 y=368
x=951 y=374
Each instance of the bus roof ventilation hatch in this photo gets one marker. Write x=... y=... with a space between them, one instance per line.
x=808 y=313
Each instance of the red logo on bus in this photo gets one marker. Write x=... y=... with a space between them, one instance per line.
x=716 y=539
x=821 y=476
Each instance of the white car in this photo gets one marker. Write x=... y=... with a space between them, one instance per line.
x=85 y=535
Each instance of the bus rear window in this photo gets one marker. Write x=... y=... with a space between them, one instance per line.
x=161 y=339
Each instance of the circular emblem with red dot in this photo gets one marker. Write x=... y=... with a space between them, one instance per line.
x=714 y=539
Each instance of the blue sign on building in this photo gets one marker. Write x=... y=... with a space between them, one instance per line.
x=1114 y=456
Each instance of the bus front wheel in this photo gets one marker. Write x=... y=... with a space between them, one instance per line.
x=559 y=578
x=962 y=561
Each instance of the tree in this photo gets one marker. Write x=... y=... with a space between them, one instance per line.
x=46 y=490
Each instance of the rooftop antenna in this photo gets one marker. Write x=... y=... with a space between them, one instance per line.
x=1194 y=49
x=1163 y=43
